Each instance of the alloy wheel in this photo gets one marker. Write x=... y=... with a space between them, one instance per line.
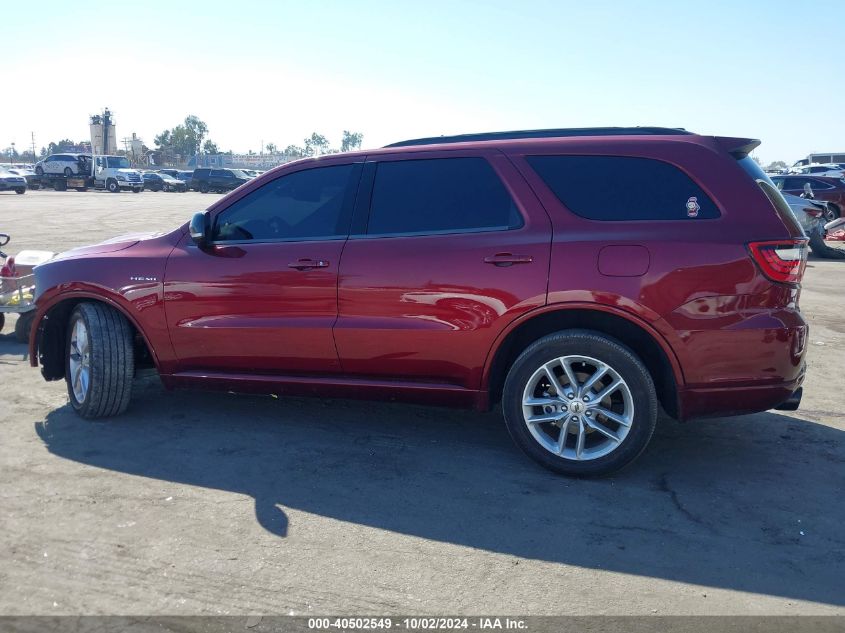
x=577 y=407
x=80 y=361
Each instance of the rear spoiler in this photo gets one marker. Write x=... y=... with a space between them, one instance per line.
x=737 y=147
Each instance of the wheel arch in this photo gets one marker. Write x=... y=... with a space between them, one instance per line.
x=644 y=340
x=47 y=347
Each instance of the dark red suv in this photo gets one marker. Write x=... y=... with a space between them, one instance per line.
x=582 y=278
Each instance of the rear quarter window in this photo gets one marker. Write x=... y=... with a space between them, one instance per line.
x=618 y=188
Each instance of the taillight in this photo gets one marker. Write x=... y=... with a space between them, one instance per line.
x=781 y=260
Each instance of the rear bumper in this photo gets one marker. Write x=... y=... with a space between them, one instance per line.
x=723 y=401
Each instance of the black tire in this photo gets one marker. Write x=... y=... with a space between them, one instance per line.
x=60 y=185
x=204 y=188
x=23 y=326
x=111 y=361
x=136 y=190
x=113 y=186
x=82 y=189
x=20 y=191
x=604 y=349
x=68 y=172
x=39 y=171
x=832 y=213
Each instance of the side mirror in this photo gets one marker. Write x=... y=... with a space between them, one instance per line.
x=200 y=229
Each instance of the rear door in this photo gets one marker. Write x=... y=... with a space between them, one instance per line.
x=447 y=249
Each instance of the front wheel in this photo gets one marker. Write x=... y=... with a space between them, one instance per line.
x=20 y=191
x=39 y=171
x=113 y=186
x=99 y=361
x=580 y=403
x=204 y=187
x=831 y=213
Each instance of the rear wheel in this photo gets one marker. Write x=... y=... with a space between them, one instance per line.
x=204 y=187
x=20 y=191
x=68 y=172
x=99 y=361
x=832 y=212
x=580 y=403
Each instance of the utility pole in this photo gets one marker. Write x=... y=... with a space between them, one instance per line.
x=34 y=155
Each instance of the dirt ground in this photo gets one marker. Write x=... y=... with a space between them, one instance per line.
x=197 y=503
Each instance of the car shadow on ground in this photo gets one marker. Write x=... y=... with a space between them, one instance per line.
x=750 y=503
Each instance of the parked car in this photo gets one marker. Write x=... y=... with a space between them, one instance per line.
x=219 y=180
x=32 y=180
x=173 y=173
x=163 y=182
x=811 y=215
x=67 y=164
x=12 y=182
x=186 y=177
x=583 y=279
x=830 y=190
x=830 y=170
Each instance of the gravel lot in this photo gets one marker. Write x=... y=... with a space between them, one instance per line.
x=212 y=503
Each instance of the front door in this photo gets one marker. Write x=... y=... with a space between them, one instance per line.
x=262 y=297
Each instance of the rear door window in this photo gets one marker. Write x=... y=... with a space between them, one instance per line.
x=439 y=195
x=618 y=188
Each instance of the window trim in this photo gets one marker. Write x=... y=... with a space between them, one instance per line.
x=363 y=203
x=348 y=200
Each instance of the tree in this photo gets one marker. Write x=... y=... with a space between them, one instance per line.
x=163 y=139
x=351 y=141
x=196 y=128
x=316 y=144
x=294 y=150
x=271 y=148
x=777 y=165
x=210 y=147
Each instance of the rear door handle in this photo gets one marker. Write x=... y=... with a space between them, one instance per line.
x=305 y=264
x=508 y=259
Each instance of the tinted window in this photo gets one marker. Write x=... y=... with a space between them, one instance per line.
x=220 y=173
x=623 y=188
x=439 y=196
x=305 y=204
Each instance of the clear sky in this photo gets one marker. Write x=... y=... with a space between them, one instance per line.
x=276 y=71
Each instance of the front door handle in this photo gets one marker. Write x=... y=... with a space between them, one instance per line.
x=508 y=259
x=306 y=264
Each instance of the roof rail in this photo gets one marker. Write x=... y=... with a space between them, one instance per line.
x=550 y=133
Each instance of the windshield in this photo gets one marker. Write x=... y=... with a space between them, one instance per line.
x=118 y=162
x=240 y=173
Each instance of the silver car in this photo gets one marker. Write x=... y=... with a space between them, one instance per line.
x=12 y=182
